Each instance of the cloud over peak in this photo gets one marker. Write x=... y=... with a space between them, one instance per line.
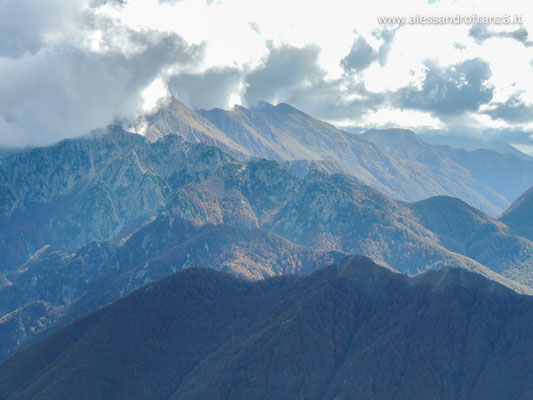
x=70 y=66
x=62 y=83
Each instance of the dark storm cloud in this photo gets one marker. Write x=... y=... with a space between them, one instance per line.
x=66 y=88
x=210 y=89
x=449 y=91
x=480 y=33
x=284 y=70
x=362 y=54
x=513 y=110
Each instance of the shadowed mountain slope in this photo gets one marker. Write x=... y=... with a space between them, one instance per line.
x=352 y=330
x=465 y=230
x=519 y=216
x=54 y=288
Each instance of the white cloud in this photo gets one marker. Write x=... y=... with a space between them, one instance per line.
x=63 y=83
x=74 y=65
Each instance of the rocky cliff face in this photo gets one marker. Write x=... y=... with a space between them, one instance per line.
x=104 y=188
x=91 y=189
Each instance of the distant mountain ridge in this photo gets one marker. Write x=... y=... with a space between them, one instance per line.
x=333 y=334
x=506 y=174
x=284 y=133
x=519 y=216
x=464 y=142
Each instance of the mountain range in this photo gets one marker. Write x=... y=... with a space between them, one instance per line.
x=351 y=330
x=284 y=133
x=120 y=212
x=87 y=221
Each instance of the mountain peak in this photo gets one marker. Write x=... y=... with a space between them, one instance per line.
x=262 y=106
x=366 y=273
x=442 y=200
x=446 y=278
x=281 y=108
x=524 y=198
x=236 y=107
x=285 y=108
x=393 y=131
x=395 y=135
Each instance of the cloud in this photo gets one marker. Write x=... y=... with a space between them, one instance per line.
x=362 y=54
x=98 y=3
x=481 y=33
x=293 y=75
x=360 y=57
x=337 y=100
x=210 y=89
x=449 y=91
x=70 y=85
x=25 y=25
x=75 y=65
x=286 y=69
x=513 y=110
x=255 y=27
x=471 y=138
x=287 y=74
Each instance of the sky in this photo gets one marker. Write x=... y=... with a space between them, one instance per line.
x=71 y=66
